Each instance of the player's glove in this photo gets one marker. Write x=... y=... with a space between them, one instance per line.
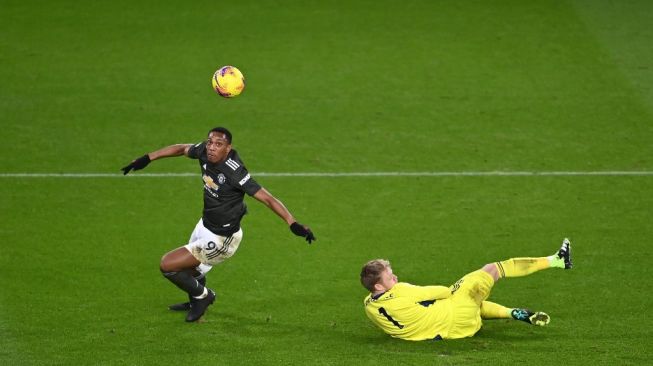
x=137 y=164
x=303 y=231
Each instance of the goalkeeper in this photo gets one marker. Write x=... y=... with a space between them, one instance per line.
x=418 y=313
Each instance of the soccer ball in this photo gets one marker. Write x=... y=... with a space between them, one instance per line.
x=228 y=81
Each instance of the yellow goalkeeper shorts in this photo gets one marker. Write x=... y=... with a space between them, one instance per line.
x=468 y=294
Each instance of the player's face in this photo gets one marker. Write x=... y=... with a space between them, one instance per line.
x=388 y=279
x=217 y=147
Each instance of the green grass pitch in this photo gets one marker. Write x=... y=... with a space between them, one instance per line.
x=332 y=86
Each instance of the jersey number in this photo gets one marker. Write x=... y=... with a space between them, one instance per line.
x=385 y=313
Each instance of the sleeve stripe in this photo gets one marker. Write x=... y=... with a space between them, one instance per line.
x=501 y=270
x=232 y=164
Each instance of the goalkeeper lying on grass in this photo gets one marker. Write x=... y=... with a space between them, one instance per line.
x=436 y=312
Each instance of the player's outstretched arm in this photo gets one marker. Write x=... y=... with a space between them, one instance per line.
x=275 y=205
x=437 y=292
x=168 y=151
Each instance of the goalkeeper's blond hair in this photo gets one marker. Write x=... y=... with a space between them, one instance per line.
x=371 y=273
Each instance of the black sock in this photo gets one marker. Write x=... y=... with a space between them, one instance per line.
x=186 y=282
x=201 y=280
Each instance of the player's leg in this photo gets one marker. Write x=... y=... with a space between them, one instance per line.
x=478 y=284
x=470 y=293
x=491 y=310
x=199 y=274
x=208 y=250
x=517 y=267
x=176 y=266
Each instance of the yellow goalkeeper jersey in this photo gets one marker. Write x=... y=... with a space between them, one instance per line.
x=409 y=312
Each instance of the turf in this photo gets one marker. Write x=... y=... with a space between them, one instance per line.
x=332 y=86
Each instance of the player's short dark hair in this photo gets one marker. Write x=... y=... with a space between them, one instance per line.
x=371 y=273
x=222 y=130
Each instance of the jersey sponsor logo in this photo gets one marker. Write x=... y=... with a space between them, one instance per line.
x=210 y=185
x=208 y=182
x=244 y=180
x=232 y=164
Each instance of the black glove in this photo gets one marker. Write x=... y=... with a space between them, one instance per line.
x=301 y=230
x=137 y=164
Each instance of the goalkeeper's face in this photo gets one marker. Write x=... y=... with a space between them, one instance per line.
x=217 y=147
x=387 y=280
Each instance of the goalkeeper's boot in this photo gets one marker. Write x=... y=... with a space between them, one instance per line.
x=198 y=306
x=565 y=253
x=538 y=318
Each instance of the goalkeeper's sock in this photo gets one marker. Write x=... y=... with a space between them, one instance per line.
x=491 y=310
x=518 y=267
x=556 y=261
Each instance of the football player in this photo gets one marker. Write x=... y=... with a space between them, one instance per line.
x=218 y=233
x=419 y=313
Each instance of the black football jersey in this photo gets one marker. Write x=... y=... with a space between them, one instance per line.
x=225 y=185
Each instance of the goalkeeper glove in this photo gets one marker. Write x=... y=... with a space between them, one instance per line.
x=137 y=164
x=303 y=231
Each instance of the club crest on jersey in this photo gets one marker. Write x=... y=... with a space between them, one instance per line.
x=221 y=178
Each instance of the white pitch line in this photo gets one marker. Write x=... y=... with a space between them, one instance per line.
x=341 y=174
